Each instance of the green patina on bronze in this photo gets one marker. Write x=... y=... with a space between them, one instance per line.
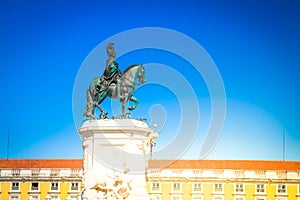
x=113 y=84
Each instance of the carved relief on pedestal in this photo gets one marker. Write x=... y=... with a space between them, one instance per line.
x=119 y=188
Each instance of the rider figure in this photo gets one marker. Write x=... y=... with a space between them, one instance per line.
x=111 y=73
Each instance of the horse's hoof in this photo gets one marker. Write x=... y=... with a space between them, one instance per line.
x=131 y=108
x=103 y=116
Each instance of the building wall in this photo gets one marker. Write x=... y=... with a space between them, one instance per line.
x=54 y=178
x=44 y=191
x=184 y=180
x=239 y=180
x=228 y=192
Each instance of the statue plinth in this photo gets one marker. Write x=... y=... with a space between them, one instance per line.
x=116 y=153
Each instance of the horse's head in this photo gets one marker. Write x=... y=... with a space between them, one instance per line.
x=141 y=74
x=134 y=72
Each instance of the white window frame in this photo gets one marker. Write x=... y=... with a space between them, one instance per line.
x=12 y=186
x=51 y=189
x=218 y=197
x=260 y=198
x=71 y=186
x=175 y=184
x=71 y=197
x=197 y=197
x=158 y=186
x=11 y=197
x=236 y=187
x=257 y=188
x=176 y=197
x=218 y=191
x=279 y=187
x=38 y=187
x=239 y=198
x=155 y=197
x=194 y=188
x=34 y=195
x=56 y=197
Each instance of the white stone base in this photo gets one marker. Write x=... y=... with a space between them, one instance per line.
x=116 y=150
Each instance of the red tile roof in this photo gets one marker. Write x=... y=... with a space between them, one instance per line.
x=158 y=164
x=225 y=164
x=41 y=163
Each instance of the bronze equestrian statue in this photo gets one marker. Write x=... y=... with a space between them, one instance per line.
x=113 y=84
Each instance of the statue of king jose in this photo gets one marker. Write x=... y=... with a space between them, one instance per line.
x=114 y=84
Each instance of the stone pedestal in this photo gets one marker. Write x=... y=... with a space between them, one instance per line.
x=116 y=153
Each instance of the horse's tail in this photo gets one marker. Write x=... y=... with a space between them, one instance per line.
x=88 y=103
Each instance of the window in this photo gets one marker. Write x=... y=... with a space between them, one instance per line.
x=197 y=187
x=73 y=198
x=54 y=198
x=218 y=187
x=281 y=188
x=155 y=197
x=239 y=187
x=239 y=198
x=34 y=187
x=54 y=186
x=197 y=198
x=176 y=187
x=217 y=198
x=15 y=186
x=14 y=197
x=260 y=188
x=155 y=186
x=74 y=186
x=176 y=198
x=34 y=197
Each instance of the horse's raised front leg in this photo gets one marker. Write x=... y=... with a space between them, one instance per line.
x=136 y=102
x=125 y=114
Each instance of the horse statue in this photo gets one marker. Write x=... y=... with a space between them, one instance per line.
x=121 y=88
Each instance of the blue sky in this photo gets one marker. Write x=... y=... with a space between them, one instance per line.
x=254 y=44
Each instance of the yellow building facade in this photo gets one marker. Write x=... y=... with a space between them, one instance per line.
x=166 y=180
x=40 y=179
x=223 y=180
